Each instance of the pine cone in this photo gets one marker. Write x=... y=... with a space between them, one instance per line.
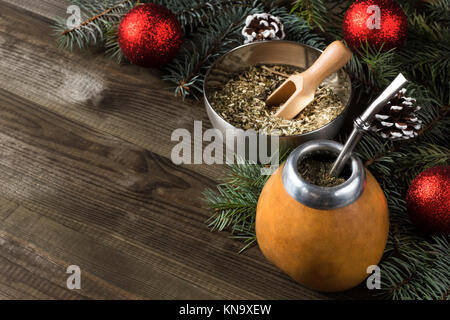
x=262 y=26
x=398 y=119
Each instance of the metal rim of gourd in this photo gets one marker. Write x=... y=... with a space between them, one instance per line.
x=317 y=197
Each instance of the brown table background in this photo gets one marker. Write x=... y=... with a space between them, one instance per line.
x=86 y=179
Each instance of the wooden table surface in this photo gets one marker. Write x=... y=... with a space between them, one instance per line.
x=86 y=179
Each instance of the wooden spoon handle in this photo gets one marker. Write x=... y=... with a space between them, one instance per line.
x=335 y=56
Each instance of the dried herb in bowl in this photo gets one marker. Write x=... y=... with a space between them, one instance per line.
x=241 y=102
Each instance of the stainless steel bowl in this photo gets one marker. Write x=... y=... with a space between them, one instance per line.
x=275 y=52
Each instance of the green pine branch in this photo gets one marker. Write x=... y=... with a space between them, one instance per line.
x=193 y=14
x=234 y=202
x=187 y=69
x=97 y=17
x=313 y=12
x=297 y=29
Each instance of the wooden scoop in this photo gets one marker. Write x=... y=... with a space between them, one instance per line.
x=299 y=89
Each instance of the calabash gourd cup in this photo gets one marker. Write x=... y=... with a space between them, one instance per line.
x=325 y=238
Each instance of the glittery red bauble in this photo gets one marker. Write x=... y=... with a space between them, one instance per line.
x=428 y=200
x=150 y=35
x=377 y=22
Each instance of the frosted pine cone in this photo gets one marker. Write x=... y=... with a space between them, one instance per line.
x=398 y=119
x=263 y=26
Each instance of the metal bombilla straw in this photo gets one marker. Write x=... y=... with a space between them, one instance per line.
x=362 y=123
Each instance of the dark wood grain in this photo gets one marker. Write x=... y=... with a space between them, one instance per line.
x=86 y=179
x=125 y=101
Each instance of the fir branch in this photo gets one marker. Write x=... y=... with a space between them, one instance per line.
x=423 y=155
x=313 y=12
x=421 y=271
x=202 y=12
x=426 y=54
x=382 y=66
x=439 y=10
x=213 y=48
x=234 y=202
x=112 y=44
x=98 y=17
x=188 y=68
x=297 y=29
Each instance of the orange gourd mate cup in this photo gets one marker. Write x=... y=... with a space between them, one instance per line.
x=324 y=238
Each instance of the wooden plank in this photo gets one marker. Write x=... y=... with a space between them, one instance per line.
x=50 y=9
x=125 y=101
x=128 y=198
x=32 y=272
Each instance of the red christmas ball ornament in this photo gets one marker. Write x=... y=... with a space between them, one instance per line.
x=379 y=22
x=150 y=35
x=428 y=200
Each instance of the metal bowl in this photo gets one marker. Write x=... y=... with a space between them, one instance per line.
x=275 y=53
